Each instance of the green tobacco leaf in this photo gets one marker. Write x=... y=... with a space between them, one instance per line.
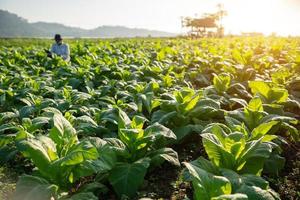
x=147 y=101
x=184 y=95
x=138 y=122
x=160 y=132
x=253 y=159
x=7 y=153
x=262 y=129
x=126 y=178
x=237 y=56
x=209 y=103
x=62 y=132
x=85 y=119
x=278 y=95
x=8 y=127
x=95 y=187
x=117 y=145
x=232 y=122
x=206 y=165
x=221 y=82
x=217 y=152
x=241 y=102
x=164 y=154
x=34 y=188
x=123 y=119
x=256 y=193
x=163 y=117
x=207 y=185
x=269 y=94
x=80 y=153
x=183 y=131
x=26 y=111
x=255 y=104
x=292 y=131
x=274 y=164
x=130 y=136
x=40 y=150
x=253 y=186
x=253 y=113
x=38 y=122
x=191 y=104
x=289 y=120
x=259 y=87
x=6 y=139
x=107 y=159
x=238 y=181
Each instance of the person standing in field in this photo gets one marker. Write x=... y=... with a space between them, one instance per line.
x=59 y=48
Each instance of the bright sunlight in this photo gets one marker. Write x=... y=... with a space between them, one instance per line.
x=265 y=16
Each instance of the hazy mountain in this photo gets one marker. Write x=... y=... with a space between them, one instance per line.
x=11 y=25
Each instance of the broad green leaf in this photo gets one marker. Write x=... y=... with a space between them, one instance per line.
x=259 y=87
x=138 y=122
x=162 y=117
x=95 y=187
x=238 y=181
x=164 y=154
x=26 y=111
x=184 y=96
x=253 y=159
x=207 y=185
x=256 y=193
x=278 y=95
x=262 y=129
x=216 y=151
x=34 y=188
x=191 y=104
x=274 y=164
x=126 y=178
x=85 y=119
x=269 y=94
x=130 y=136
x=292 y=131
x=206 y=165
x=221 y=82
x=62 y=133
x=6 y=139
x=253 y=113
x=237 y=56
x=115 y=143
x=40 y=150
x=184 y=131
x=8 y=127
x=123 y=119
x=80 y=153
x=255 y=104
x=160 y=131
x=218 y=130
x=107 y=159
x=232 y=122
x=7 y=154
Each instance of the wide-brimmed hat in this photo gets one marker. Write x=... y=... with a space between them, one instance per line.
x=57 y=37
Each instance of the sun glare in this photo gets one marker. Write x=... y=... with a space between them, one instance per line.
x=264 y=16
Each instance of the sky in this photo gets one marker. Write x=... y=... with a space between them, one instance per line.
x=266 y=16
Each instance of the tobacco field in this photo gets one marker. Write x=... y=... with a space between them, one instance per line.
x=207 y=119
